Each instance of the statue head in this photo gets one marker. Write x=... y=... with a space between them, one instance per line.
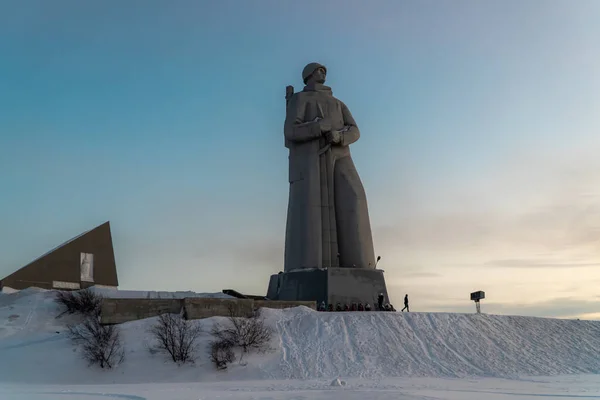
x=314 y=72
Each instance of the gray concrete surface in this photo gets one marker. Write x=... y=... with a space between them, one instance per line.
x=118 y=311
x=273 y=288
x=205 y=308
x=332 y=285
x=354 y=285
x=302 y=285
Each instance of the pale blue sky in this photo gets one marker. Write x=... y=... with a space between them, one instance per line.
x=479 y=148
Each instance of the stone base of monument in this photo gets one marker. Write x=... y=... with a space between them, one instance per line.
x=332 y=285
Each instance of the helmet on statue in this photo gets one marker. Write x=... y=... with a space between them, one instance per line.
x=309 y=69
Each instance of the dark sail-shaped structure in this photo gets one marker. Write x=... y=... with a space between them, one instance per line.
x=86 y=260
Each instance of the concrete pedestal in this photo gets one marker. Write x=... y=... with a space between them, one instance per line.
x=332 y=285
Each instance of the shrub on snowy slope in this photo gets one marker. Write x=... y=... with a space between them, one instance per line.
x=246 y=334
x=84 y=302
x=101 y=344
x=177 y=337
x=221 y=353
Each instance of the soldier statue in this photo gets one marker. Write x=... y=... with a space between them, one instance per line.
x=327 y=220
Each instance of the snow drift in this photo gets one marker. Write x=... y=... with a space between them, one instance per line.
x=34 y=347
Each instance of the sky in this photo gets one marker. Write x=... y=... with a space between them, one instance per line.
x=478 y=152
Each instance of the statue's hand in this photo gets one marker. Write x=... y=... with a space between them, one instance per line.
x=333 y=137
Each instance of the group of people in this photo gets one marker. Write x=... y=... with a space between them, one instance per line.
x=363 y=307
x=354 y=307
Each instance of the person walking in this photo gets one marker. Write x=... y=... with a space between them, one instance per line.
x=380 y=302
x=406 y=304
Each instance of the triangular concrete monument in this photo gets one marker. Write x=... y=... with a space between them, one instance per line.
x=83 y=261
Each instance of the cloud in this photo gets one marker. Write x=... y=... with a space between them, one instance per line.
x=560 y=307
x=267 y=254
x=542 y=205
x=529 y=263
x=410 y=275
x=425 y=295
x=520 y=244
x=595 y=316
x=553 y=228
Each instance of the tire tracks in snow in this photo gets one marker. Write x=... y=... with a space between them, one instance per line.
x=374 y=344
x=425 y=347
x=22 y=344
x=31 y=313
x=450 y=348
x=106 y=395
x=347 y=339
x=284 y=345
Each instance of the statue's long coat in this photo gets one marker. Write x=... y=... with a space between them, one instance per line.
x=328 y=221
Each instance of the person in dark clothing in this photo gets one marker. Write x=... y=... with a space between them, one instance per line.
x=406 y=304
x=380 y=302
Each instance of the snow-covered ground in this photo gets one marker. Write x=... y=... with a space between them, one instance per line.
x=377 y=355
x=574 y=387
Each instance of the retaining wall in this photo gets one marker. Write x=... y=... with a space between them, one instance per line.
x=117 y=311
x=198 y=308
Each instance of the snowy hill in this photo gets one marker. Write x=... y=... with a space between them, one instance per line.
x=308 y=345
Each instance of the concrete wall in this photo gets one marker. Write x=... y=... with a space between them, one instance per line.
x=355 y=285
x=273 y=289
x=303 y=285
x=197 y=308
x=332 y=286
x=117 y=311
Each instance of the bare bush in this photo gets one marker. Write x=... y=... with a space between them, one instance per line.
x=101 y=344
x=84 y=302
x=247 y=334
x=221 y=353
x=177 y=337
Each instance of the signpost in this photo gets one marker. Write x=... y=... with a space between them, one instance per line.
x=476 y=297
